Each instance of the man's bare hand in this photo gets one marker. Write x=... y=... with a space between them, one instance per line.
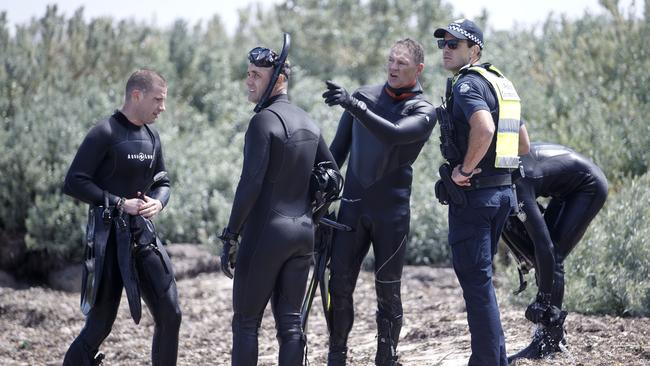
x=461 y=180
x=150 y=207
x=132 y=206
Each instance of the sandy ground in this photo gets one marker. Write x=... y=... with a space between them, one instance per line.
x=37 y=325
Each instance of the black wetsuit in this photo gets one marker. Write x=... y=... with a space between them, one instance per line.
x=578 y=190
x=382 y=142
x=273 y=212
x=121 y=158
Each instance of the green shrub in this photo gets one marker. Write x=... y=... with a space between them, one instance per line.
x=428 y=238
x=58 y=76
x=608 y=271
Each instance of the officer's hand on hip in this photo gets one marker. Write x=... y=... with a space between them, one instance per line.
x=337 y=95
x=461 y=177
x=229 y=253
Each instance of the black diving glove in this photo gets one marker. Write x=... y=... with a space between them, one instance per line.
x=541 y=310
x=337 y=95
x=230 y=242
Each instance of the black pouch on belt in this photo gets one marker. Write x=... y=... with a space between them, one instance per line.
x=446 y=190
x=441 y=192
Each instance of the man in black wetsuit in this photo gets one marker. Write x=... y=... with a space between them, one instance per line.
x=272 y=212
x=383 y=130
x=115 y=163
x=545 y=236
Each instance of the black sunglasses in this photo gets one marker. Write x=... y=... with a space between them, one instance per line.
x=262 y=57
x=451 y=43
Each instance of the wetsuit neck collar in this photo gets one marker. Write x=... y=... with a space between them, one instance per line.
x=273 y=99
x=124 y=121
x=403 y=93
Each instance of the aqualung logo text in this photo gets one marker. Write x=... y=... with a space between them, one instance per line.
x=141 y=156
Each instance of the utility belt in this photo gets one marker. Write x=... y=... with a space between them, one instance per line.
x=447 y=191
x=488 y=182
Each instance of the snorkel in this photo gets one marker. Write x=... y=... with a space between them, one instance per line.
x=278 y=65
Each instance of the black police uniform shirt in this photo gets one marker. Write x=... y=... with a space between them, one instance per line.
x=472 y=93
x=116 y=156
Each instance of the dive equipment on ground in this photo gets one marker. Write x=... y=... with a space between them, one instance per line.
x=278 y=65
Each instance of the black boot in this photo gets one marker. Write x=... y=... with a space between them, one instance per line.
x=546 y=340
x=337 y=357
x=387 y=337
x=80 y=354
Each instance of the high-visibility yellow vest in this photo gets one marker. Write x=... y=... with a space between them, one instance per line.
x=507 y=150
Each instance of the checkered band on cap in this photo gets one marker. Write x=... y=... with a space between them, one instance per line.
x=457 y=28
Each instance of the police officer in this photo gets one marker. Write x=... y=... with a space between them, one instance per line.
x=578 y=190
x=481 y=138
x=383 y=129
x=116 y=162
x=272 y=211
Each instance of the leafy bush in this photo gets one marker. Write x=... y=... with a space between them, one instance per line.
x=609 y=270
x=429 y=227
x=586 y=91
x=59 y=76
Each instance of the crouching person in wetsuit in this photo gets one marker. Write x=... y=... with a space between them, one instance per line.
x=272 y=212
x=545 y=236
x=482 y=136
x=119 y=171
x=383 y=129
